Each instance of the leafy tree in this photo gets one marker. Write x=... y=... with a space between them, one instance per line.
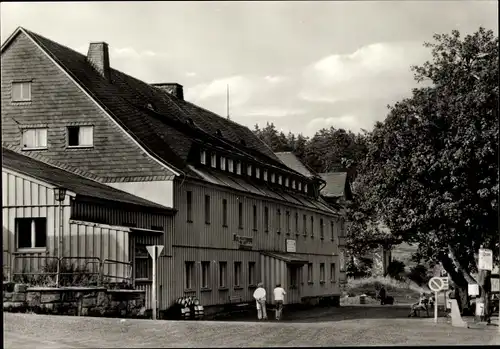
x=396 y=269
x=431 y=169
x=419 y=274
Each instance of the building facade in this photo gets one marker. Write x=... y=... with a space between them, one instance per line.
x=242 y=214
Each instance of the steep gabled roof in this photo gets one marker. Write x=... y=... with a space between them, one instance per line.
x=73 y=182
x=293 y=162
x=337 y=185
x=164 y=132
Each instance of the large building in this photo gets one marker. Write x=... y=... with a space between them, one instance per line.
x=242 y=215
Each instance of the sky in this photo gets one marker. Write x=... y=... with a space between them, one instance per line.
x=301 y=65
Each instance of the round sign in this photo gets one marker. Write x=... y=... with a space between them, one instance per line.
x=436 y=284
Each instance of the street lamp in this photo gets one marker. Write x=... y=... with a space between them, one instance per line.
x=60 y=196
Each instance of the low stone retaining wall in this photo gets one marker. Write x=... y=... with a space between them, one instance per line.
x=79 y=301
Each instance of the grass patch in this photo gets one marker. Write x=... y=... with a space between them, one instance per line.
x=402 y=291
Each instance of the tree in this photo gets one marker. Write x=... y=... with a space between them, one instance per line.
x=431 y=169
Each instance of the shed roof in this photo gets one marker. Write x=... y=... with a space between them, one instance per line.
x=71 y=181
x=293 y=162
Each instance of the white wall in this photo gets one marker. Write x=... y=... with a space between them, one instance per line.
x=160 y=192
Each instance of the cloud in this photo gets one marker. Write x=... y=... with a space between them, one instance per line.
x=241 y=89
x=347 y=122
x=274 y=112
x=374 y=71
x=129 y=52
x=274 y=79
x=190 y=74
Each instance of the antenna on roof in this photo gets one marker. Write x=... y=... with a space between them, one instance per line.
x=227 y=102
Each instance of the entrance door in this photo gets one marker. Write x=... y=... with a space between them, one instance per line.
x=293 y=287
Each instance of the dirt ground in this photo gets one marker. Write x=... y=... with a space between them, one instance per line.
x=355 y=325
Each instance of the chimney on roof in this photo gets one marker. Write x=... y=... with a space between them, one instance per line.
x=171 y=88
x=98 y=56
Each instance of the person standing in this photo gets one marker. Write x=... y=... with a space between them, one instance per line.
x=260 y=298
x=382 y=294
x=279 y=298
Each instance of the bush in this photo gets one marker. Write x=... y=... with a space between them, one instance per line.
x=361 y=269
x=418 y=274
x=396 y=270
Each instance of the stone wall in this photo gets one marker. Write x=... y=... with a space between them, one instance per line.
x=79 y=301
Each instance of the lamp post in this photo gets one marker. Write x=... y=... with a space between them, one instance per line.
x=60 y=196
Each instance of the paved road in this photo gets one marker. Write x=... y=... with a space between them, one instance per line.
x=44 y=331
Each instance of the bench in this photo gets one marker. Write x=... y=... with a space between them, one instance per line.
x=419 y=307
x=236 y=304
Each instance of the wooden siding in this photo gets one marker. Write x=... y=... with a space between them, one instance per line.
x=141 y=219
x=23 y=197
x=57 y=103
x=274 y=271
x=214 y=295
x=214 y=235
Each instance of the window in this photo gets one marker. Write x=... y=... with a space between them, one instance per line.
x=257 y=173
x=332 y=230
x=273 y=177
x=312 y=226
x=203 y=157
x=280 y=178
x=31 y=232
x=333 y=276
x=207 y=209
x=286 y=182
x=288 y=222
x=322 y=272
x=321 y=229
x=21 y=91
x=80 y=136
x=304 y=224
x=189 y=275
x=213 y=160
x=300 y=186
x=278 y=220
x=237 y=274
x=224 y=212
x=251 y=273
x=264 y=175
x=266 y=219
x=342 y=228
x=230 y=165
x=35 y=138
x=223 y=163
x=238 y=168
x=296 y=222
x=240 y=215
x=310 y=272
x=222 y=274
x=249 y=170
x=189 y=203
x=205 y=274
x=142 y=263
x=293 y=184
x=305 y=188
x=254 y=217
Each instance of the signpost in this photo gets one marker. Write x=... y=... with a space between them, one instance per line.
x=437 y=284
x=154 y=252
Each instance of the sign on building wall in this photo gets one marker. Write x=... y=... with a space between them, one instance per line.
x=244 y=242
x=291 y=245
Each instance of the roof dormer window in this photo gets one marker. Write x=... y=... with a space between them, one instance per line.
x=280 y=179
x=222 y=163
x=286 y=182
x=150 y=106
x=264 y=175
x=293 y=184
x=218 y=133
x=238 y=168
x=249 y=170
x=273 y=177
x=257 y=173
x=190 y=121
x=300 y=186
x=203 y=157
x=213 y=160
x=230 y=165
x=242 y=142
x=305 y=188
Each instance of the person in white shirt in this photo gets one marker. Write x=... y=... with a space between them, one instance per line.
x=279 y=297
x=260 y=298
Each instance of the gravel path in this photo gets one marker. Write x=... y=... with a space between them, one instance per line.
x=44 y=331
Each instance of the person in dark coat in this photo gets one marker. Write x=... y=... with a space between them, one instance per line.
x=382 y=295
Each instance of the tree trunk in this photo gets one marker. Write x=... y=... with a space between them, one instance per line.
x=460 y=278
x=484 y=281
